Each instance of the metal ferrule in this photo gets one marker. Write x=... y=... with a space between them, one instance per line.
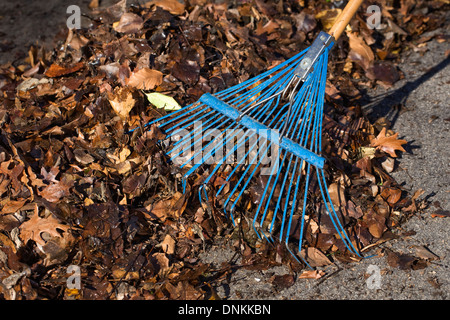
x=305 y=67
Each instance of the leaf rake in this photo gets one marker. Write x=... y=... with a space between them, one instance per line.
x=266 y=134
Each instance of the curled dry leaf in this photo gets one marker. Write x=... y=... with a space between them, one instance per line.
x=441 y=214
x=13 y=206
x=388 y=165
x=360 y=52
x=122 y=101
x=312 y=274
x=145 y=79
x=57 y=190
x=56 y=70
x=173 y=6
x=328 y=17
x=376 y=223
x=82 y=156
x=162 y=262
x=171 y=207
x=282 y=281
x=168 y=245
x=129 y=23
x=392 y=195
x=425 y=253
x=305 y=22
x=315 y=257
x=337 y=194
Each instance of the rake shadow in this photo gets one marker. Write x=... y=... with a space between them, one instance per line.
x=389 y=104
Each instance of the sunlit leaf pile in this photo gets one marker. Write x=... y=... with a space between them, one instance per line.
x=77 y=189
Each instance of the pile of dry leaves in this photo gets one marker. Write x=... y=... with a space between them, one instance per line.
x=76 y=189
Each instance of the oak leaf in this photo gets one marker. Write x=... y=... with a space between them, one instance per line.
x=388 y=144
x=33 y=228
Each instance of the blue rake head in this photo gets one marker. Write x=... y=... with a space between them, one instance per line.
x=264 y=132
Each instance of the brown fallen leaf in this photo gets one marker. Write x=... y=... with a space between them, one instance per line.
x=405 y=261
x=133 y=184
x=337 y=194
x=76 y=41
x=168 y=245
x=282 y=281
x=441 y=214
x=173 y=6
x=305 y=22
x=388 y=144
x=171 y=207
x=93 y=4
x=162 y=262
x=328 y=17
x=312 y=274
x=375 y=222
x=56 y=70
x=82 y=156
x=57 y=190
x=122 y=101
x=315 y=257
x=187 y=71
x=5 y=241
x=13 y=206
x=388 y=164
x=383 y=71
x=145 y=79
x=425 y=253
x=392 y=195
x=129 y=23
x=267 y=27
x=182 y=291
x=33 y=228
x=111 y=13
x=360 y=52
x=353 y=210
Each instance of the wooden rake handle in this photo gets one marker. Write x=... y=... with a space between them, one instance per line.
x=344 y=18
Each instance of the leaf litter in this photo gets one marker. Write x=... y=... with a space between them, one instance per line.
x=76 y=189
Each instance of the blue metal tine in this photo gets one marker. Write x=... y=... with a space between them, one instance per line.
x=261 y=99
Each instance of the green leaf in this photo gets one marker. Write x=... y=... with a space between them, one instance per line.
x=162 y=101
